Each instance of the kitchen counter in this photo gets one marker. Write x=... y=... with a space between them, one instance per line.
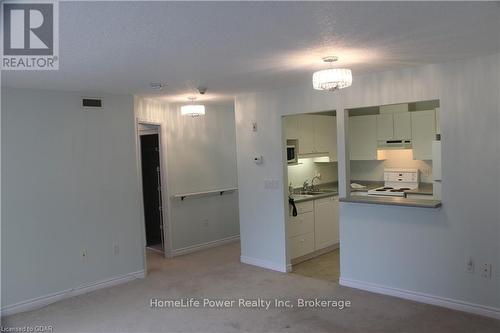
x=394 y=201
x=306 y=197
x=423 y=188
x=328 y=192
x=330 y=189
x=369 y=185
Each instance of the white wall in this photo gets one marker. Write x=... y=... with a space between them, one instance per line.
x=200 y=155
x=307 y=169
x=413 y=249
x=69 y=182
x=400 y=158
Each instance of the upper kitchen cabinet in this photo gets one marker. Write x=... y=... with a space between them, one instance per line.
x=438 y=123
x=291 y=126
x=363 y=137
x=325 y=135
x=306 y=134
x=402 y=126
x=385 y=127
x=316 y=134
x=396 y=126
x=423 y=127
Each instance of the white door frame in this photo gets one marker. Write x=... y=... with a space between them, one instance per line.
x=167 y=239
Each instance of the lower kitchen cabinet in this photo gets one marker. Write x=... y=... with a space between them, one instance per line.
x=326 y=226
x=301 y=245
x=301 y=224
x=315 y=227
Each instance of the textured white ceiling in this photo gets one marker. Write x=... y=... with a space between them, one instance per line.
x=236 y=47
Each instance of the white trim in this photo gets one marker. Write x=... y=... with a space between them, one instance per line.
x=42 y=301
x=167 y=226
x=266 y=264
x=424 y=298
x=139 y=188
x=203 y=246
x=148 y=132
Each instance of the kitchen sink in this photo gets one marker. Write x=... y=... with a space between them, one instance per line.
x=313 y=192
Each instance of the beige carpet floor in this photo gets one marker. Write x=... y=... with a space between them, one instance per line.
x=217 y=273
x=324 y=267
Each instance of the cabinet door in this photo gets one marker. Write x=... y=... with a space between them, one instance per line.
x=423 y=130
x=301 y=224
x=304 y=207
x=306 y=134
x=363 y=137
x=326 y=222
x=325 y=134
x=438 y=121
x=301 y=245
x=385 y=127
x=333 y=139
x=402 y=126
x=291 y=126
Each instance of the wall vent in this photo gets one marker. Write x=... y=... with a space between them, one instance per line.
x=91 y=103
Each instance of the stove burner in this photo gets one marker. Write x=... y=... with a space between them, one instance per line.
x=402 y=189
x=384 y=189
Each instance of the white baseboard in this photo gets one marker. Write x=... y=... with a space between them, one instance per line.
x=424 y=298
x=203 y=246
x=266 y=264
x=42 y=301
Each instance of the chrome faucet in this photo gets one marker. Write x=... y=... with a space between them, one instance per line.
x=305 y=185
x=312 y=181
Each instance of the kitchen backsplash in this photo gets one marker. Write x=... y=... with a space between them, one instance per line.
x=374 y=170
x=307 y=169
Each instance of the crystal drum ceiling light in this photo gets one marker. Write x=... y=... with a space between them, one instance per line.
x=333 y=78
x=193 y=110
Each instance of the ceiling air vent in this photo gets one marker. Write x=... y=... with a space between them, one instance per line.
x=91 y=103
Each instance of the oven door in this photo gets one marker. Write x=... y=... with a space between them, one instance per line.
x=291 y=157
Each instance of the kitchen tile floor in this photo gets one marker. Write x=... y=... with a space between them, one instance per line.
x=325 y=267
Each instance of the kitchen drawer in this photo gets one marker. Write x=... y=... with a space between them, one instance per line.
x=325 y=200
x=301 y=224
x=301 y=245
x=420 y=196
x=359 y=194
x=304 y=207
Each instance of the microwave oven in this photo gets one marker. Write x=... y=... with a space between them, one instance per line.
x=291 y=154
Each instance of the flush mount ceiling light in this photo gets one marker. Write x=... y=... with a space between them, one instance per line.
x=333 y=78
x=193 y=110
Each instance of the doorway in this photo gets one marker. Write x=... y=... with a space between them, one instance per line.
x=311 y=173
x=151 y=186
